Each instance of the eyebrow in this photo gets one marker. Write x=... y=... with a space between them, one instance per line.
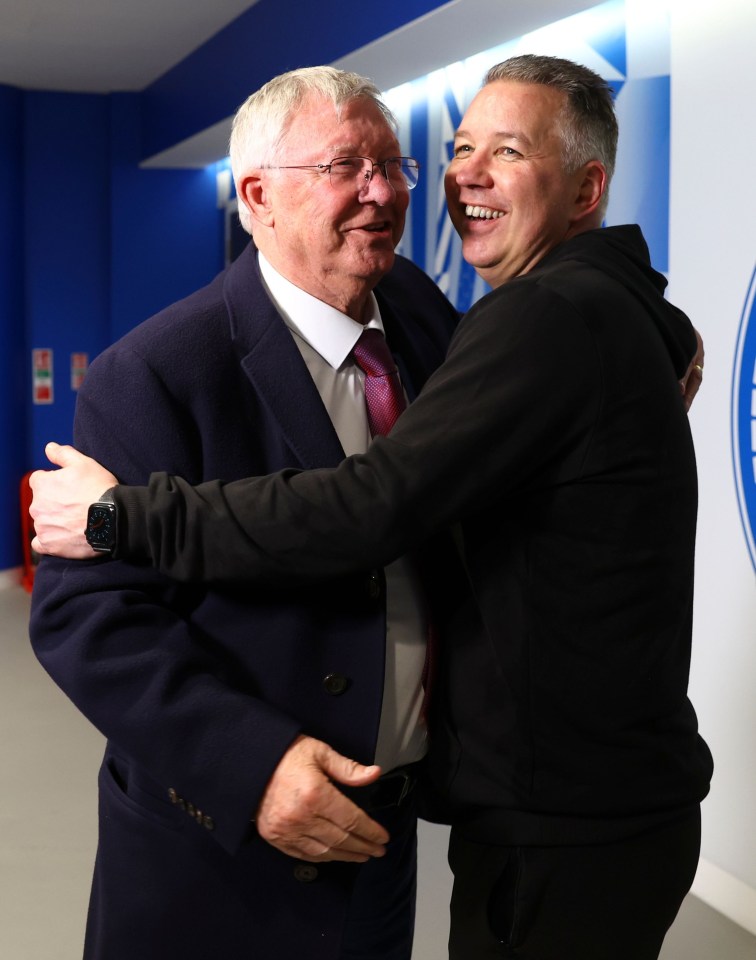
x=350 y=150
x=499 y=135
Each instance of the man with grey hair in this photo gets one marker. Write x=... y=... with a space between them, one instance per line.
x=231 y=713
x=565 y=751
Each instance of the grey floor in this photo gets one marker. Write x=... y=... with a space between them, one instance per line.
x=49 y=757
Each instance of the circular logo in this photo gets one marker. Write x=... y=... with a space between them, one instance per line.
x=744 y=419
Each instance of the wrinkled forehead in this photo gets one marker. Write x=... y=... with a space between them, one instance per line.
x=352 y=127
x=532 y=111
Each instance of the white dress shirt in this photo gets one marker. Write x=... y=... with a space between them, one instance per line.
x=325 y=338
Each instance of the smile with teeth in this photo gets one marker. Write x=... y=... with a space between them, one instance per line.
x=482 y=213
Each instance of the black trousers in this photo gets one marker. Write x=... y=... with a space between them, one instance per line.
x=611 y=901
x=380 y=921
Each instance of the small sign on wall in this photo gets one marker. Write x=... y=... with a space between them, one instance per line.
x=42 y=376
x=79 y=364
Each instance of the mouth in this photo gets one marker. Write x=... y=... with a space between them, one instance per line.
x=381 y=230
x=475 y=212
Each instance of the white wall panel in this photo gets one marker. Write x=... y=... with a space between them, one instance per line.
x=712 y=259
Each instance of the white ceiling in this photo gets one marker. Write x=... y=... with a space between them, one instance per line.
x=101 y=46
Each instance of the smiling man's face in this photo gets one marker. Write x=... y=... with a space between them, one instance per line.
x=334 y=242
x=509 y=196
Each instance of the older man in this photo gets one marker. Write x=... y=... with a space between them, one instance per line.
x=565 y=748
x=220 y=824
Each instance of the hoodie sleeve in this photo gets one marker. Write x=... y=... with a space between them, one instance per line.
x=486 y=424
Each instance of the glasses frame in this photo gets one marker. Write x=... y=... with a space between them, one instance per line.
x=381 y=164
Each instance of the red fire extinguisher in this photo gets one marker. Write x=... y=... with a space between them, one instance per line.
x=31 y=557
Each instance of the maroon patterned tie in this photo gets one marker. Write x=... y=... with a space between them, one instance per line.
x=384 y=396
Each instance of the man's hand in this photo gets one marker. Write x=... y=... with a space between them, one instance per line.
x=61 y=500
x=693 y=375
x=305 y=816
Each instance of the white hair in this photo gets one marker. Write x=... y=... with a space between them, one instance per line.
x=262 y=122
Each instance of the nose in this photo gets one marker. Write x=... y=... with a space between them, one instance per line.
x=472 y=171
x=377 y=186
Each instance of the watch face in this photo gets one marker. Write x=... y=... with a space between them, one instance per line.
x=100 y=530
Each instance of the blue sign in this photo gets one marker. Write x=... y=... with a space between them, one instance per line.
x=744 y=419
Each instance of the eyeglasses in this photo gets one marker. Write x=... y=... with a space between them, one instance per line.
x=355 y=173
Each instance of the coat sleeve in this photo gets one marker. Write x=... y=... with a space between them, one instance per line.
x=120 y=640
x=512 y=405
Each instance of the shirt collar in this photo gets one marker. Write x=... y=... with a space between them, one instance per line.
x=328 y=331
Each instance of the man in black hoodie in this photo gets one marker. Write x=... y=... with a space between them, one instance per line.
x=565 y=750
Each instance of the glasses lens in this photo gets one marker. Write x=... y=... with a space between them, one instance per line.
x=350 y=172
x=401 y=172
x=356 y=172
x=410 y=170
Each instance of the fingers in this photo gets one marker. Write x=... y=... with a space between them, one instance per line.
x=346 y=771
x=304 y=815
x=700 y=353
x=320 y=823
x=338 y=835
x=86 y=468
x=691 y=385
x=691 y=382
x=64 y=455
x=359 y=832
x=61 y=456
x=61 y=500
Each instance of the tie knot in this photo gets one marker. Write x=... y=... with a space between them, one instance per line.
x=373 y=355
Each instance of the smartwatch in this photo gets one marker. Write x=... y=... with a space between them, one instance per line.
x=101 y=524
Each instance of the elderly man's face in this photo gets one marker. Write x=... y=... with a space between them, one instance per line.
x=509 y=197
x=335 y=242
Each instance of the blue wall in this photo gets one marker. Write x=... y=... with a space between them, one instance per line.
x=66 y=244
x=167 y=231
x=90 y=245
x=13 y=355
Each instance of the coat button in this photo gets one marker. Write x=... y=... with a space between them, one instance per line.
x=374 y=585
x=208 y=823
x=335 y=684
x=305 y=872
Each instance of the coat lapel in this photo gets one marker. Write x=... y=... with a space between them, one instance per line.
x=274 y=365
x=272 y=362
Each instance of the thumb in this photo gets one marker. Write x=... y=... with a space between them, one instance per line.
x=346 y=771
x=63 y=456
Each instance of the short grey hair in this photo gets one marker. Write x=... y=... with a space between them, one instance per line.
x=260 y=126
x=588 y=124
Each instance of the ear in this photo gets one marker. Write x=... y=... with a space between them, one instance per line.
x=591 y=183
x=252 y=191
